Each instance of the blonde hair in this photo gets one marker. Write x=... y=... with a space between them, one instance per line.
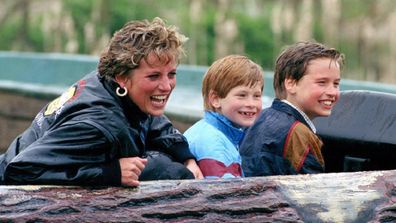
x=228 y=72
x=136 y=41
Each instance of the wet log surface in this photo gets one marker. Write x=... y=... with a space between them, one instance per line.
x=335 y=197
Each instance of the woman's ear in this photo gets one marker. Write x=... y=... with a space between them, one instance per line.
x=214 y=99
x=121 y=80
x=290 y=85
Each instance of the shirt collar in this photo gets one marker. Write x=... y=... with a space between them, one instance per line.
x=309 y=122
x=223 y=124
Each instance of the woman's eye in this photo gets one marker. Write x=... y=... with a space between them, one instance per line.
x=153 y=76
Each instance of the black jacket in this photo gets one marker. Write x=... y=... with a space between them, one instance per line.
x=78 y=138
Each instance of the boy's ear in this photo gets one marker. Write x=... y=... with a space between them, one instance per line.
x=214 y=99
x=290 y=85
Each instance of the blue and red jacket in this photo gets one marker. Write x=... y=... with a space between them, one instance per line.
x=281 y=142
x=214 y=142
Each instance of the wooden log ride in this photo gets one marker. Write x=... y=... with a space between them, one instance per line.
x=333 y=197
x=358 y=136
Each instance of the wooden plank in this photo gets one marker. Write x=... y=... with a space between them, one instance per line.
x=333 y=197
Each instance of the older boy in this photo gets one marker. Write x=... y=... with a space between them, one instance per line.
x=232 y=89
x=283 y=140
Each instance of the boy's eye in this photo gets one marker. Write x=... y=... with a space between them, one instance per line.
x=241 y=95
x=172 y=74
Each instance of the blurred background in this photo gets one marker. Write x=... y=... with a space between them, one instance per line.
x=364 y=30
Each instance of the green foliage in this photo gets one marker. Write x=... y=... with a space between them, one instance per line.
x=256 y=34
x=81 y=14
x=8 y=35
x=80 y=10
x=355 y=8
x=208 y=22
x=318 y=31
x=36 y=37
x=127 y=10
x=255 y=38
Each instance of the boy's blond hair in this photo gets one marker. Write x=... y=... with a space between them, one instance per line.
x=136 y=41
x=228 y=72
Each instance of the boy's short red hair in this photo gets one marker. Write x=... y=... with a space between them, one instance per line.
x=228 y=72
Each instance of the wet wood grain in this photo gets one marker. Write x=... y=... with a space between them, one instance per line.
x=336 y=197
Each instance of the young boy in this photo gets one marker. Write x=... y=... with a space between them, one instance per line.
x=283 y=140
x=232 y=89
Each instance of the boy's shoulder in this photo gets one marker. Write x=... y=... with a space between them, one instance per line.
x=278 y=112
x=202 y=135
x=276 y=120
x=201 y=129
x=302 y=130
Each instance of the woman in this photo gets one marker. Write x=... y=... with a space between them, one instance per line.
x=98 y=131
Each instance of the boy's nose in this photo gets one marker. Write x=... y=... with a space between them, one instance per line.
x=332 y=90
x=251 y=102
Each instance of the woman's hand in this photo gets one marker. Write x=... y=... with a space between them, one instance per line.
x=131 y=168
x=193 y=167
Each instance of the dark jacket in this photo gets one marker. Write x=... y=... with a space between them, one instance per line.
x=281 y=143
x=78 y=138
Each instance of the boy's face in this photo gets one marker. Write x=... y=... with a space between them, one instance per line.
x=241 y=106
x=318 y=90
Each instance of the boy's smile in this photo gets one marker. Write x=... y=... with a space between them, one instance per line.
x=242 y=105
x=318 y=90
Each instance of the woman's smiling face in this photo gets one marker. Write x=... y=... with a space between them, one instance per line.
x=150 y=84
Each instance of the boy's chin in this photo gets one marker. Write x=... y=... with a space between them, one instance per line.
x=324 y=114
x=245 y=124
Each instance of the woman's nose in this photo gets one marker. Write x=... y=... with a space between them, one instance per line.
x=166 y=84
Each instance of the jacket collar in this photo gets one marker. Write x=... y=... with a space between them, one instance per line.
x=130 y=109
x=223 y=124
x=289 y=108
